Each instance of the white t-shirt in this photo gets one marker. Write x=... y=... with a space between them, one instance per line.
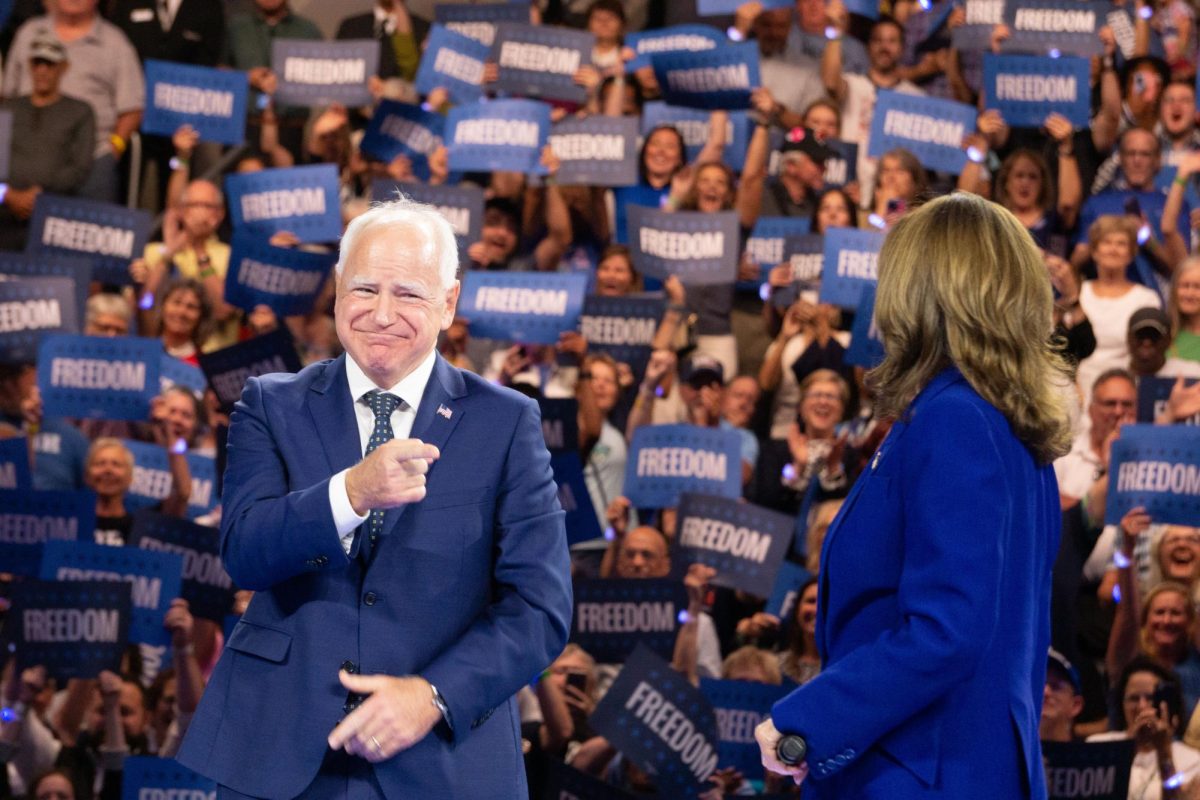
x=1144 y=781
x=1109 y=317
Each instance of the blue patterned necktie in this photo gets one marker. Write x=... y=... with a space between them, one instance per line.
x=382 y=404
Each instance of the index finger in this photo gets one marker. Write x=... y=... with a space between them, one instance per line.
x=349 y=726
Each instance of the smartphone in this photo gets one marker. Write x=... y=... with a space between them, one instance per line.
x=1139 y=82
x=1133 y=207
x=895 y=206
x=578 y=680
x=1162 y=694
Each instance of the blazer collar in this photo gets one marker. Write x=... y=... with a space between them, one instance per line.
x=332 y=411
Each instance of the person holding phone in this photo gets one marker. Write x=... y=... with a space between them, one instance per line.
x=901 y=180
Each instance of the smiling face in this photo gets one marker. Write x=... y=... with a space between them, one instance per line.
x=390 y=302
x=885 y=47
x=1139 y=157
x=109 y=471
x=1178 y=110
x=181 y=313
x=1023 y=184
x=833 y=212
x=713 y=192
x=1179 y=553
x=1166 y=621
x=823 y=121
x=806 y=610
x=821 y=408
x=1188 y=296
x=604 y=385
x=180 y=414
x=614 y=276
x=1113 y=252
x=662 y=155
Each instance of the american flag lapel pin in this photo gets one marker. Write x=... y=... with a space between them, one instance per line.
x=444 y=412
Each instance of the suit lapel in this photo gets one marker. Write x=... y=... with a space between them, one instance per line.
x=332 y=411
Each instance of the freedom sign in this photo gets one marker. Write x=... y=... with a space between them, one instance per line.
x=149 y=777
x=45 y=265
x=462 y=206
x=1097 y=770
x=596 y=151
x=286 y=279
x=1158 y=467
x=541 y=61
x=981 y=17
x=805 y=254
x=721 y=78
x=866 y=345
x=782 y=602
x=98 y=377
x=582 y=523
x=478 y=21
x=850 y=265
x=768 y=240
x=303 y=200
x=453 y=62
x=152 y=479
x=14 y=464
x=29 y=519
x=316 y=73
x=74 y=630
x=1027 y=89
x=931 y=128
x=527 y=307
x=663 y=723
x=206 y=586
x=560 y=424
x=29 y=309
x=745 y=543
x=402 y=129
x=109 y=235
x=175 y=372
x=675 y=39
x=615 y=615
x=623 y=327
x=499 y=134
x=1152 y=396
x=739 y=707
x=666 y=461
x=693 y=125
x=1063 y=26
x=212 y=101
x=229 y=368
x=698 y=248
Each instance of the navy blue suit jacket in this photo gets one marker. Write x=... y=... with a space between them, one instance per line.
x=933 y=614
x=468 y=588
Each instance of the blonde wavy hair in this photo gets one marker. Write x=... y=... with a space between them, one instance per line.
x=961 y=283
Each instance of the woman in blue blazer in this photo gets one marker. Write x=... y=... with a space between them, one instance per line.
x=933 y=611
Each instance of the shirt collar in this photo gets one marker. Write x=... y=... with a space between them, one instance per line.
x=410 y=388
x=386 y=20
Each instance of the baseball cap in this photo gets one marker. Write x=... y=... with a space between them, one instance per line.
x=47 y=48
x=1058 y=662
x=803 y=140
x=1149 y=319
x=702 y=370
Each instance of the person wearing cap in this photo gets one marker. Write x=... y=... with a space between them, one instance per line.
x=52 y=139
x=702 y=389
x=794 y=191
x=1149 y=338
x=1062 y=700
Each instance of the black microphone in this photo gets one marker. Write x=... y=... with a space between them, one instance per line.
x=791 y=750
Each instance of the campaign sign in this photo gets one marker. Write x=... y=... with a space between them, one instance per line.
x=806 y=256
x=596 y=151
x=721 y=78
x=462 y=206
x=154 y=578
x=582 y=523
x=976 y=32
x=1096 y=770
x=675 y=39
x=5 y=143
x=229 y=368
x=663 y=723
x=745 y=543
x=698 y=248
x=667 y=460
x=213 y=101
x=615 y=615
x=1067 y=26
x=560 y=423
x=692 y=124
x=285 y=278
x=206 y=586
x=1027 y=89
x=303 y=200
x=768 y=240
x=45 y=265
x=712 y=8
x=527 y=307
x=1153 y=394
x=851 y=263
x=316 y=73
x=150 y=777
x=152 y=479
x=623 y=327
x=74 y=630
x=30 y=308
x=866 y=345
x=1120 y=23
x=29 y=519
x=401 y=129
x=782 y=602
x=173 y=372
x=1158 y=467
x=478 y=21
x=500 y=134
x=864 y=8
x=931 y=128
x=740 y=706
x=110 y=236
x=562 y=782
x=541 y=61
x=454 y=62
x=98 y=377
x=14 y=464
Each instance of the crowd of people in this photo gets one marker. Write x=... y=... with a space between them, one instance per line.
x=769 y=362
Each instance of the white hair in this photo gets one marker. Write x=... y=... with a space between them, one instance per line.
x=440 y=249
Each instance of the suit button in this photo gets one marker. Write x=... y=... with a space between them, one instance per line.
x=350 y=666
x=369 y=598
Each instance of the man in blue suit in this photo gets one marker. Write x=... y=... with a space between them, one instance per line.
x=399 y=523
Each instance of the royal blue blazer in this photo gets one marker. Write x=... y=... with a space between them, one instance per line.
x=469 y=587
x=933 y=614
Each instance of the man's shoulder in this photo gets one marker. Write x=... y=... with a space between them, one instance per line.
x=284 y=383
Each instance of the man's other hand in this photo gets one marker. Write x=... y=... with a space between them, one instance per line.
x=398 y=713
x=392 y=475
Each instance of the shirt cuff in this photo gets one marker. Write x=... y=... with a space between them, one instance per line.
x=345 y=518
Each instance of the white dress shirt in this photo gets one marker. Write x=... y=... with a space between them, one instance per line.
x=410 y=389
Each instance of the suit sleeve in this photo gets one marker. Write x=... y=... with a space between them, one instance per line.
x=526 y=625
x=955 y=511
x=268 y=532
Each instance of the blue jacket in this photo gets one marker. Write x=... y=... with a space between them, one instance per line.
x=468 y=588
x=933 y=614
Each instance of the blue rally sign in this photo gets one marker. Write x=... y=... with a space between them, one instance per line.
x=478 y=21
x=30 y=308
x=541 y=61
x=768 y=240
x=401 y=129
x=667 y=460
x=228 y=369
x=98 y=376
x=151 y=778
x=712 y=8
x=698 y=248
x=285 y=278
x=976 y=33
x=1065 y=26
x=45 y=265
x=663 y=723
x=461 y=205
x=206 y=586
x=501 y=134
x=582 y=523
x=1158 y=467
x=14 y=465
x=213 y=101
x=693 y=123
x=453 y=62
x=739 y=707
x=153 y=577
x=110 y=236
x=615 y=615
x=786 y=592
x=303 y=200
x=851 y=263
x=316 y=73
x=74 y=630
x=527 y=307
x=623 y=327
x=1153 y=394
x=745 y=543
x=866 y=345
x=152 y=479
x=930 y=128
x=1074 y=767
x=29 y=519
x=1027 y=89
x=721 y=78
x=675 y=39
x=806 y=256
x=567 y=783
x=596 y=151
x=174 y=372
x=560 y=424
